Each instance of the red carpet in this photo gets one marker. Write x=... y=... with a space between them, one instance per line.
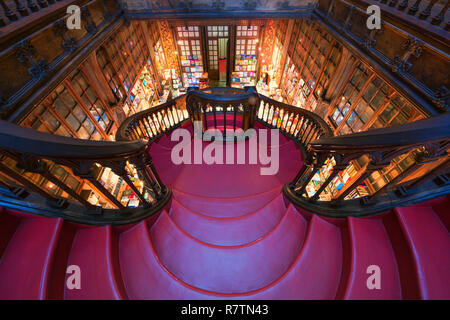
x=230 y=234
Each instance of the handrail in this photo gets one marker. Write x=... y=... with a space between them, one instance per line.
x=24 y=150
x=11 y=12
x=412 y=133
x=26 y=140
x=223 y=109
x=152 y=123
x=424 y=141
x=299 y=124
x=196 y=105
x=423 y=15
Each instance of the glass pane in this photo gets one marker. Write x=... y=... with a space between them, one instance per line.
x=82 y=133
x=73 y=122
x=61 y=108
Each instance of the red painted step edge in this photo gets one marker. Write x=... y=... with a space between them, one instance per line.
x=370 y=245
x=230 y=269
x=228 y=231
x=25 y=264
x=91 y=251
x=429 y=242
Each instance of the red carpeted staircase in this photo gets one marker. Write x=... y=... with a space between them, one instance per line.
x=229 y=233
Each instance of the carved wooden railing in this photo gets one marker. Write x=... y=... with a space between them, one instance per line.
x=425 y=13
x=12 y=11
x=152 y=123
x=435 y=10
x=205 y=107
x=299 y=124
x=25 y=151
x=224 y=109
x=428 y=138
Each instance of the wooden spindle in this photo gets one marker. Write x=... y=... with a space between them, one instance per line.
x=119 y=169
x=437 y=20
x=42 y=3
x=393 y=3
x=33 y=7
x=27 y=183
x=403 y=5
x=335 y=171
x=427 y=11
x=20 y=8
x=8 y=13
x=414 y=8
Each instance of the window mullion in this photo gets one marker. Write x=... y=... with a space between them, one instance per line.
x=355 y=103
x=85 y=109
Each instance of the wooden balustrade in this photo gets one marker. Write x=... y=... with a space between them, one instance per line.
x=432 y=11
x=14 y=10
x=238 y=109
x=150 y=124
x=25 y=151
x=426 y=141
x=224 y=109
x=299 y=124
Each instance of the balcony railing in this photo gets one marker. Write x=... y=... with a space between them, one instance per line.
x=425 y=142
x=25 y=151
x=12 y=11
x=429 y=15
x=433 y=11
x=301 y=125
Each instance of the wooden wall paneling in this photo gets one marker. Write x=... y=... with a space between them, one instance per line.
x=31 y=68
x=415 y=63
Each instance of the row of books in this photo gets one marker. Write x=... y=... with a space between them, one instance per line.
x=246 y=68
x=191 y=63
x=193 y=69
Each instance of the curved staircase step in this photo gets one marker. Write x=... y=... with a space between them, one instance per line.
x=235 y=269
x=225 y=207
x=165 y=142
x=8 y=224
x=167 y=170
x=144 y=276
x=26 y=261
x=317 y=270
x=156 y=149
x=229 y=231
x=370 y=245
x=91 y=251
x=441 y=207
x=429 y=242
x=224 y=181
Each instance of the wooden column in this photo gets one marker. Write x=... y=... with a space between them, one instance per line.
x=151 y=50
x=286 y=42
x=341 y=73
x=92 y=68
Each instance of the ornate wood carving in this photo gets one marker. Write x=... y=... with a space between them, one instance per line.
x=25 y=53
x=412 y=47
